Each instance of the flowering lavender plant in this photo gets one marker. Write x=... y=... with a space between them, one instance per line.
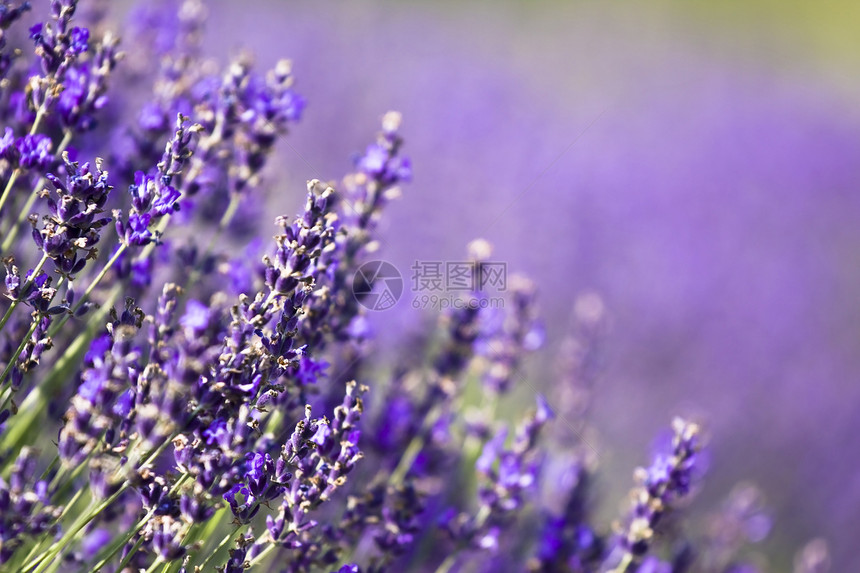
x=167 y=404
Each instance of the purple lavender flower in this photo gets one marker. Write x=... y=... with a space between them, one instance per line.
x=152 y=196
x=509 y=473
x=8 y=149
x=95 y=415
x=94 y=542
x=79 y=40
x=25 y=508
x=322 y=461
x=514 y=332
x=56 y=44
x=74 y=221
x=34 y=151
x=668 y=480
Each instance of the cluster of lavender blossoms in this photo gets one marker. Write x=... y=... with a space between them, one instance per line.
x=170 y=404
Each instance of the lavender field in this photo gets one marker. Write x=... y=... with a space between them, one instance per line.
x=383 y=286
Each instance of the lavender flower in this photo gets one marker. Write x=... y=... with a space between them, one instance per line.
x=100 y=410
x=86 y=85
x=519 y=331
x=668 y=480
x=74 y=221
x=25 y=507
x=9 y=13
x=323 y=454
x=152 y=197
x=507 y=474
x=34 y=151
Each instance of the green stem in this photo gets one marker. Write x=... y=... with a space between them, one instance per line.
x=37 y=400
x=14 y=359
x=78 y=493
x=9 y=184
x=132 y=551
x=154 y=566
x=63 y=542
x=196 y=532
x=67 y=507
x=226 y=219
x=55 y=328
x=60 y=545
x=446 y=565
x=225 y=541
x=47 y=472
x=101 y=275
x=262 y=555
x=625 y=563
x=116 y=546
x=179 y=482
x=60 y=475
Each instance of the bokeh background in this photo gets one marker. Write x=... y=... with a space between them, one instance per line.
x=694 y=163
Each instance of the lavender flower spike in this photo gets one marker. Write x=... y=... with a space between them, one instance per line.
x=661 y=485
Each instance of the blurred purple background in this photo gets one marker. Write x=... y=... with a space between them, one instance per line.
x=687 y=171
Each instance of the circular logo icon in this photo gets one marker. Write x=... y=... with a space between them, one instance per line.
x=377 y=285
